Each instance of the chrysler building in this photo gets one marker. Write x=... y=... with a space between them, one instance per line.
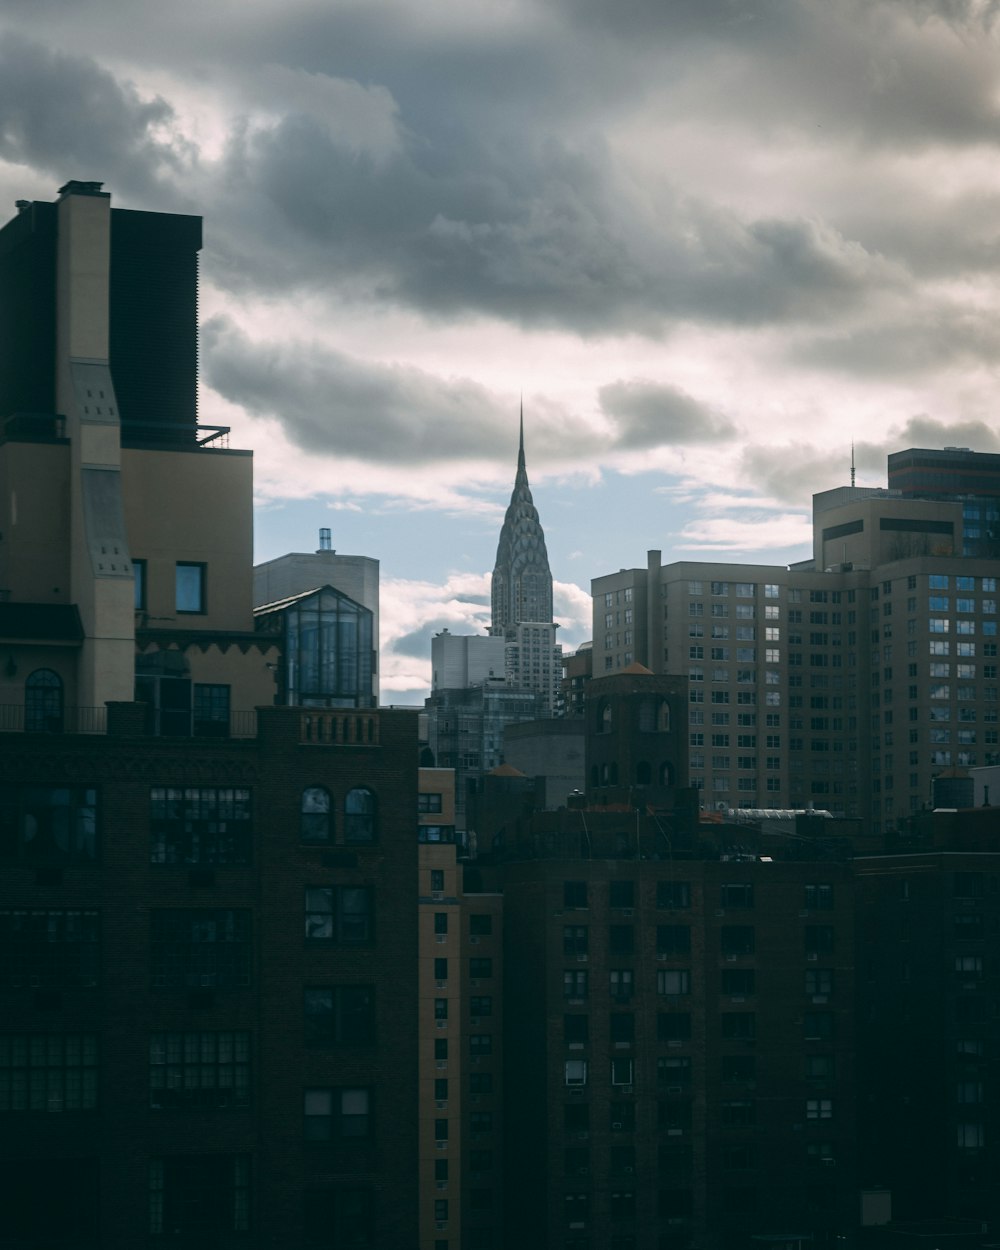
x=522 y=595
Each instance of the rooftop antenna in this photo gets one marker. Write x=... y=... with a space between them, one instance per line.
x=852 y=461
x=520 y=447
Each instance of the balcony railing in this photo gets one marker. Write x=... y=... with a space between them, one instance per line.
x=327 y=728
x=15 y=718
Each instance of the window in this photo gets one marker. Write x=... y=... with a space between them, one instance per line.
x=738 y=982
x=575 y=1029
x=189 y=584
x=819 y=897
x=574 y=894
x=480 y=1082
x=673 y=981
x=338 y=1217
x=339 y=1015
x=818 y=939
x=622 y=1028
x=441 y=922
x=819 y=981
x=673 y=939
x=673 y=894
x=817 y=1026
x=480 y=924
x=622 y=893
x=738 y=1113
x=739 y=1069
x=210 y=709
x=481 y=1005
x=819 y=1108
x=620 y=939
x=739 y=1025
x=737 y=939
x=200 y=948
x=359 y=815
x=574 y=940
x=43 y=702
x=622 y=1071
x=139 y=585
x=48 y=1072
x=437 y=880
x=481 y=1044
x=673 y=1026
x=200 y=825
x=49 y=949
x=575 y=983
x=429 y=803
x=620 y=984
x=43 y=825
x=202 y=1197
x=341 y=914
x=337 y=1114
x=970 y=1136
x=315 y=822
x=819 y=1067
x=199 y=1070
x=735 y=897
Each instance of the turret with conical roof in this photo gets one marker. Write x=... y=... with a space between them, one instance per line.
x=522 y=582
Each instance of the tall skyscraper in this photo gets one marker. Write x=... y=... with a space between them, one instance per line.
x=522 y=594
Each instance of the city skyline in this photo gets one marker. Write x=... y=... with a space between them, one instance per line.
x=712 y=245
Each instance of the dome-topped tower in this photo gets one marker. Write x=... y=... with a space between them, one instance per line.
x=522 y=582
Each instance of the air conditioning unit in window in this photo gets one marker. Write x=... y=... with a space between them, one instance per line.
x=440 y=985
x=441 y=1063
x=581 y=959
x=440 y=937
x=441 y=1104
x=473 y=941
x=675 y=1089
x=730 y=959
x=473 y=985
x=617 y=1124
x=812 y=956
x=628 y=1170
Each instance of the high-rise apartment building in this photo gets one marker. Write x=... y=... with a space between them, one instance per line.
x=208 y=935
x=846 y=682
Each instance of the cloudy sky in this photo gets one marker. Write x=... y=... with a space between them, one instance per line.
x=711 y=242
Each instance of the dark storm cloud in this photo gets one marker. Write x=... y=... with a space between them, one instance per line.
x=794 y=472
x=649 y=414
x=69 y=117
x=916 y=342
x=330 y=403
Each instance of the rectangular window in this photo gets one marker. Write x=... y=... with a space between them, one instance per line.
x=575 y=983
x=574 y=894
x=49 y=948
x=190 y=588
x=48 y=1072
x=339 y=1015
x=480 y=924
x=673 y=981
x=736 y=896
x=737 y=939
x=339 y=914
x=620 y=984
x=200 y=948
x=673 y=1026
x=332 y=1115
x=574 y=940
x=200 y=825
x=139 y=585
x=199 y=1197
x=739 y=1025
x=210 y=711
x=819 y=897
x=199 y=1070
x=48 y=826
x=481 y=1005
x=738 y=982
x=428 y=802
x=675 y=895
x=673 y=939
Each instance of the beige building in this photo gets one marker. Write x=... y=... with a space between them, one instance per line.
x=842 y=683
x=151 y=596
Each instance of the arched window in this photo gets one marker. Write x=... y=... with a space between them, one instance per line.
x=359 y=815
x=43 y=702
x=663 y=717
x=316 y=822
x=666 y=774
x=643 y=773
x=603 y=717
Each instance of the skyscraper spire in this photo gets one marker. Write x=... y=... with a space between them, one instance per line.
x=522 y=582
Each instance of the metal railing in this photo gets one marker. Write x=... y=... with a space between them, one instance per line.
x=15 y=718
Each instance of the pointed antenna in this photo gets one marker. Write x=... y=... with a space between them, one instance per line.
x=520 y=446
x=852 y=461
